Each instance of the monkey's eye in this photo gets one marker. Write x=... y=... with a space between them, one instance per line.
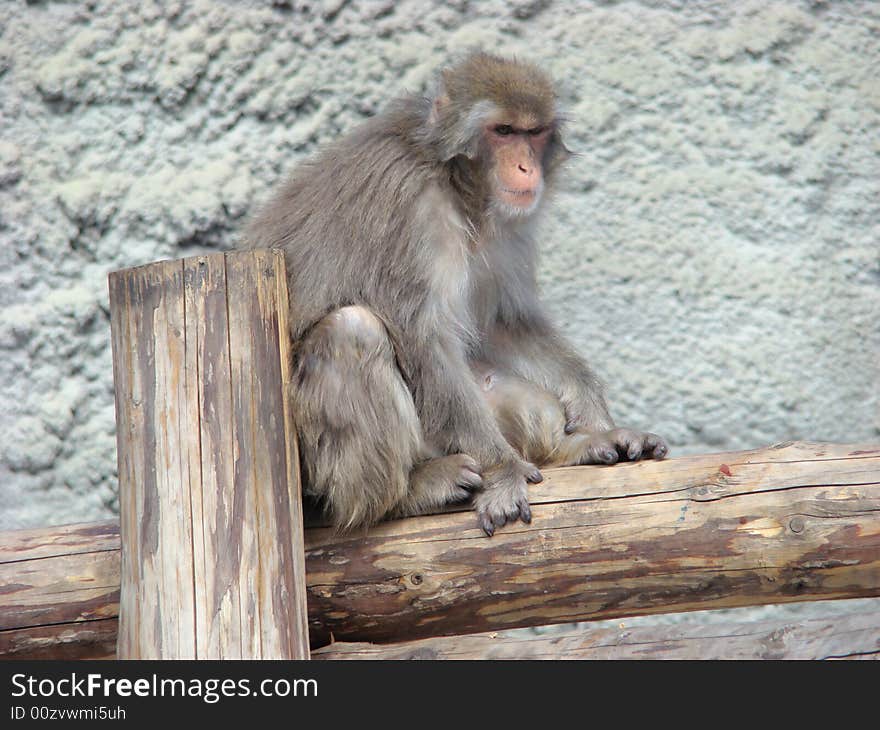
x=535 y=131
x=503 y=129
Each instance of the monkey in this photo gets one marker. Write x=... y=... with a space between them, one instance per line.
x=426 y=371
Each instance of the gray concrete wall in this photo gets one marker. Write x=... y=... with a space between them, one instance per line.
x=715 y=250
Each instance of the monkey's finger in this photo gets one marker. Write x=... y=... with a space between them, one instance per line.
x=492 y=517
x=534 y=475
x=634 y=448
x=506 y=511
x=471 y=464
x=486 y=524
x=621 y=439
x=525 y=511
x=601 y=451
x=470 y=480
x=656 y=445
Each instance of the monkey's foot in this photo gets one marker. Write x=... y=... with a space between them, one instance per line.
x=505 y=497
x=609 y=447
x=438 y=482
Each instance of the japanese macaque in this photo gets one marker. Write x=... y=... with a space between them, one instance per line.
x=426 y=371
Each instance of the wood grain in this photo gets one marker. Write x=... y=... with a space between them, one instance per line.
x=210 y=511
x=784 y=524
x=835 y=636
x=95 y=639
x=795 y=522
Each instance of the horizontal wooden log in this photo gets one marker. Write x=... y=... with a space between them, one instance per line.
x=836 y=635
x=797 y=522
x=59 y=592
x=77 y=640
x=790 y=523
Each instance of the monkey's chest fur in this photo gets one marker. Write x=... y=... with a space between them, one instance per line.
x=476 y=277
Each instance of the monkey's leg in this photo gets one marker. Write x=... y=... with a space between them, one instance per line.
x=361 y=442
x=440 y=481
x=532 y=419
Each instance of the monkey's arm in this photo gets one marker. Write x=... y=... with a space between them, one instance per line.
x=453 y=413
x=534 y=350
x=455 y=418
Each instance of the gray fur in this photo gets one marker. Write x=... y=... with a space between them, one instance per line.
x=403 y=275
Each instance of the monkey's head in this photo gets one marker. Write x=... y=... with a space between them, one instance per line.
x=501 y=116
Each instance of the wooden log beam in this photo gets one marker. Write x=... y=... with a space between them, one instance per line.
x=59 y=592
x=794 y=522
x=210 y=506
x=835 y=635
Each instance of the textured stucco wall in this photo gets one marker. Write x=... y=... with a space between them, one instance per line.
x=715 y=250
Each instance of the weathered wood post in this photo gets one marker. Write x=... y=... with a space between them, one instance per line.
x=210 y=511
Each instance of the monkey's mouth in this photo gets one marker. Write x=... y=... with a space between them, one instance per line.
x=515 y=202
x=520 y=198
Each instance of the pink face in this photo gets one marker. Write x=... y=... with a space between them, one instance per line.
x=518 y=151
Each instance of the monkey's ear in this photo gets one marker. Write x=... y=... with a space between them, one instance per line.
x=439 y=99
x=559 y=151
x=438 y=106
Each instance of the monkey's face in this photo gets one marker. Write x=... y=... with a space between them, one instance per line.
x=517 y=147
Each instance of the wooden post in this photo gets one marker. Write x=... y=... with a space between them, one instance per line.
x=210 y=511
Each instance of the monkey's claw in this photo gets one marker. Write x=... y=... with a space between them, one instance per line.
x=445 y=480
x=608 y=447
x=505 y=497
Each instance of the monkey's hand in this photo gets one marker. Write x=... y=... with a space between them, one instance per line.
x=609 y=447
x=505 y=497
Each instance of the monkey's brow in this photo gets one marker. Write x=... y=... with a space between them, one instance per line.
x=523 y=130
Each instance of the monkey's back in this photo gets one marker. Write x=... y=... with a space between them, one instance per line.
x=345 y=221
